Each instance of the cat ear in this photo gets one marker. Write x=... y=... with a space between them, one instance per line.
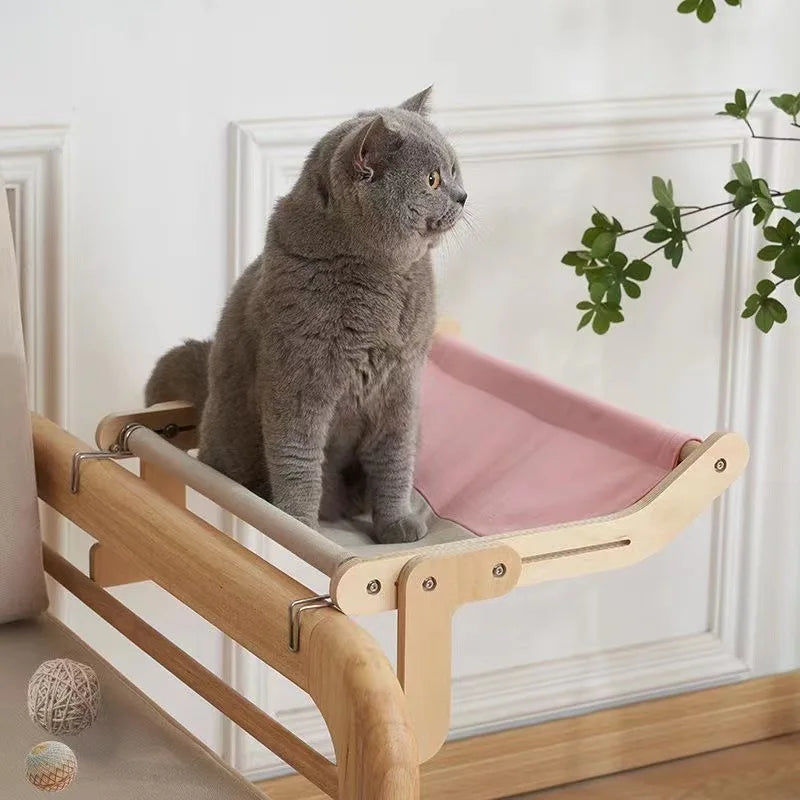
x=373 y=142
x=419 y=102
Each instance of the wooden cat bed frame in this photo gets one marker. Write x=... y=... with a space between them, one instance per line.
x=565 y=486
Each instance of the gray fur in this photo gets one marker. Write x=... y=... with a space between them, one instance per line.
x=314 y=372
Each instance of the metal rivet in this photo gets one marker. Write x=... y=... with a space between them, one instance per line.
x=720 y=465
x=499 y=570
x=170 y=430
x=374 y=586
x=429 y=584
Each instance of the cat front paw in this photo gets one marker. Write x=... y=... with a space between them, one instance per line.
x=410 y=528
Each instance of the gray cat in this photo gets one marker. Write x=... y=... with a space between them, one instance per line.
x=309 y=391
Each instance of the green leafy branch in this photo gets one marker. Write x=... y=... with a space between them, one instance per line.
x=612 y=274
x=705 y=9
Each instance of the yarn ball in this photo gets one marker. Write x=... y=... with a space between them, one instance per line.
x=51 y=766
x=63 y=696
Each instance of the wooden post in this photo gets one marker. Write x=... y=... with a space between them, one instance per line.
x=429 y=592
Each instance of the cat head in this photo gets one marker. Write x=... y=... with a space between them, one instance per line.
x=393 y=176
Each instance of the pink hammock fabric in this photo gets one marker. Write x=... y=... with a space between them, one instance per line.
x=502 y=449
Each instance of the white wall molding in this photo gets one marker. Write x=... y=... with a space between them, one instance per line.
x=33 y=165
x=266 y=157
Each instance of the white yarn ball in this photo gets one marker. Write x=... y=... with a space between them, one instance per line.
x=63 y=696
x=51 y=766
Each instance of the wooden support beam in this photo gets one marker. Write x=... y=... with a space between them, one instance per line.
x=429 y=592
x=245 y=714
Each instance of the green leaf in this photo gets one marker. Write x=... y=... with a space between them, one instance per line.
x=785 y=102
x=754 y=301
x=662 y=215
x=760 y=188
x=788 y=264
x=662 y=192
x=759 y=215
x=777 y=309
x=765 y=287
x=638 y=270
x=572 y=259
x=586 y=319
x=797 y=287
x=743 y=197
x=631 y=289
x=583 y=305
x=597 y=291
x=612 y=311
x=677 y=255
x=706 y=10
x=589 y=235
x=742 y=171
x=740 y=98
x=765 y=204
x=770 y=252
x=601 y=323
x=600 y=220
x=657 y=235
x=786 y=230
x=734 y=2
x=617 y=259
x=603 y=244
x=614 y=294
x=731 y=187
x=792 y=200
x=688 y=6
x=764 y=320
x=771 y=234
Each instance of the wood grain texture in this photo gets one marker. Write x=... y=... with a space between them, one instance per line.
x=108 y=568
x=429 y=592
x=554 y=753
x=245 y=714
x=338 y=663
x=766 y=770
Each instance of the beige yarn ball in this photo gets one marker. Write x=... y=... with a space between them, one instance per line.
x=63 y=696
x=51 y=766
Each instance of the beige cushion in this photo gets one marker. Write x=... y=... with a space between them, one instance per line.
x=132 y=752
x=22 y=589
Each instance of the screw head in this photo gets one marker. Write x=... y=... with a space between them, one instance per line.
x=499 y=570
x=720 y=465
x=170 y=430
x=374 y=586
x=429 y=584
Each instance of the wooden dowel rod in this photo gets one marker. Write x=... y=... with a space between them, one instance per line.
x=688 y=449
x=282 y=742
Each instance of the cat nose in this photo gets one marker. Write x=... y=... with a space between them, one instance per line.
x=461 y=197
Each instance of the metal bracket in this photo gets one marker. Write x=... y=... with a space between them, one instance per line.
x=118 y=450
x=297 y=608
x=79 y=458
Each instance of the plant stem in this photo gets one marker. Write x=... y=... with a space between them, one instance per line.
x=692 y=230
x=778 y=138
x=695 y=210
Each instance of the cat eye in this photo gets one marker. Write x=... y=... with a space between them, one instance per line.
x=434 y=179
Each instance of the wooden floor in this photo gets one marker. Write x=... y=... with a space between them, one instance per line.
x=767 y=770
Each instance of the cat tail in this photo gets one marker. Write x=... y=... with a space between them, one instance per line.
x=181 y=374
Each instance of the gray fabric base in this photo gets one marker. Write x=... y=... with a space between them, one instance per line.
x=354 y=535
x=132 y=752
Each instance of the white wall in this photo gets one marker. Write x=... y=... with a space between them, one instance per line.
x=122 y=127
